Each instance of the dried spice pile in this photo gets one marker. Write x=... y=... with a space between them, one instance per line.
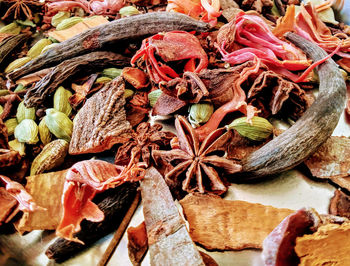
x=180 y=90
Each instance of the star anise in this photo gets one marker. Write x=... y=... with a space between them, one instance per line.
x=18 y=7
x=198 y=164
x=143 y=141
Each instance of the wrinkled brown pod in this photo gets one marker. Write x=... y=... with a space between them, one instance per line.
x=129 y=28
x=318 y=122
x=87 y=63
x=10 y=44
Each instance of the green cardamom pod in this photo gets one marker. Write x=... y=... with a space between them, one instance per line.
x=24 y=112
x=11 y=124
x=128 y=93
x=59 y=124
x=68 y=22
x=48 y=47
x=200 y=113
x=20 y=87
x=127 y=11
x=12 y=28
x=51 y=156
x=1 y=109
x=17 y=64
x=4 y=92
x=61 y=101
x=153 y=96
x=27 y=132
x=103 y=80
x=26 y=22
x=44 y=132
x=259 y=129
x=59 y=17
x=37 y=48
x=18 y=146
x=112 y=72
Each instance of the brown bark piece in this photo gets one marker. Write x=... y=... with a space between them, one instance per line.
x=168 y=240
x=46 y=190
x=101 y=122
x=340 y=204
x=218 y=224
x=137 y=243
x=331 y=160
x=328 y=246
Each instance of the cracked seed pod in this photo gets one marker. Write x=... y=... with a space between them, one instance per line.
x=44 y=132
x=259 y=129
x=27 y=132
x=59 y=124
x=24 y=112
x=61 y=101
x=51 y=156
x=11 y=124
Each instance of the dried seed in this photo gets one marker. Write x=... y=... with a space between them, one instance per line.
x=17 y=64
x=68 y=22
x=44 y=132
x=11 y=124
x=59 y=124
x=38 y=47
x=59 y=17
x=61 y=101
x=51 y=156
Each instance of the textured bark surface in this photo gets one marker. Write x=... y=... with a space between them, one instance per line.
x=124 y=29
x=114 y=203
x=301 y=140
x=10 y=44
x=88 y=63
x=168 y=240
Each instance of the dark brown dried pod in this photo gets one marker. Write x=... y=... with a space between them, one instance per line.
x=88 y=63
x=125 y=29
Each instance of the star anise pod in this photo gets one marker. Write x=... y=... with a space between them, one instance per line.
x=197 y=165
x=18 y=8
x=143 y=141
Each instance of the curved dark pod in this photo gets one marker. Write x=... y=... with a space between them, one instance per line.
x=10 y=44
x=134 y=27
x=311 y=130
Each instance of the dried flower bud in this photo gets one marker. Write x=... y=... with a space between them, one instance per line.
x=61 y=101
x=59 y=124
x=44 y=132
x=27 y=132
x=18 y=146
x=24 y=112
x=17 y=63
x=59 y=17
x=11 y=124
x=112 y=72
x=200 y=113
x=12 y=28
x=37 y=48
x=127 y=11
x=153 y=97
x=259 y=129
x=51 y=156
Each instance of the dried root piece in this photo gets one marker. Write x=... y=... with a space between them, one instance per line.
x=101 y=122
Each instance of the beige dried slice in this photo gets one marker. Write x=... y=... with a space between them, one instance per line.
x=218 y=224
x=101 y=122
x=46 y=190
x=331 y=160
x=328 y=246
